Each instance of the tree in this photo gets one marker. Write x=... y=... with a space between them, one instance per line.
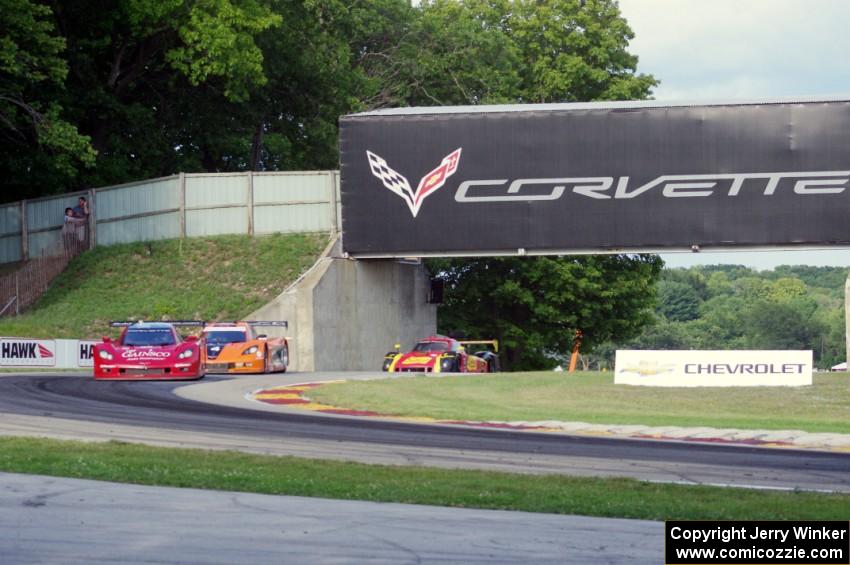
x=36 y=138
x=575 y=50
x=677 y=301
x=495 y=51
x=791 y=324
x=534 y=306
x=143 y=72
x=746 y=309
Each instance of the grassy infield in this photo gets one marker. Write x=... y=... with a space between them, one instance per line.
x=593 y=398
x=229 y=276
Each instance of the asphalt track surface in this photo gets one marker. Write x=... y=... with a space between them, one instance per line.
x=153 y=405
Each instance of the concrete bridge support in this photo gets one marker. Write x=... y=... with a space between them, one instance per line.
x=346 y=314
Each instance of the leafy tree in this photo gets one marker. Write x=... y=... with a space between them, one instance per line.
x=718 y=283
x=35 y=135
x=746 y=309
x=830 y=348
x=575 y=50
x=486 y=51
x=790 y=324
x=785 y=289
x=661 y=334
x=691 y=277
x=534 y=306
x=144 y=71
x=677 y=301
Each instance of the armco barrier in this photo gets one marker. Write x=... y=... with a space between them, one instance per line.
x=46 y=353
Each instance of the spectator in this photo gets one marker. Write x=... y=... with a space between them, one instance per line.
x=72 y=232
x=81 y=212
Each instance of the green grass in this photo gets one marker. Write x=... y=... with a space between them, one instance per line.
x=223 y=277
x=594 y=398
x=623 y=498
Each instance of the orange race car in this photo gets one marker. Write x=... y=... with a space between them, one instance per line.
x=235 y=347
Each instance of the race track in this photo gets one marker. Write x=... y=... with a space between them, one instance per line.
x=76 y=404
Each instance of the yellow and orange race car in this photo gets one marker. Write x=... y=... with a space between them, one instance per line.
x=235 y=347
x=441 y=354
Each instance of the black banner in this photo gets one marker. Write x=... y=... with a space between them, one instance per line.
x=562 y=178
x=807 y=542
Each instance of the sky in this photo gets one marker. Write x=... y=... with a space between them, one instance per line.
x=744 y=49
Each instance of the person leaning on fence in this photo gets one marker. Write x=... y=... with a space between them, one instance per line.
x=81 y=213
x=81 y=210
x=73 y=233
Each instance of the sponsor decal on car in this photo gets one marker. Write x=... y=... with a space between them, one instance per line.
x=417 y=360
x=145 y=354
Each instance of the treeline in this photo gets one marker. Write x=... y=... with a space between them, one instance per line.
x=734 y=307
x=94 y=93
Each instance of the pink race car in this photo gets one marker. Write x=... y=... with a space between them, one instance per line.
x=149 y=351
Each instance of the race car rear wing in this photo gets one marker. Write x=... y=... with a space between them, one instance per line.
x=123 y=324
x=493 y=342
x=278 y=323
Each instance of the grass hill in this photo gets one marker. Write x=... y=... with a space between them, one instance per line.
x=225 y=277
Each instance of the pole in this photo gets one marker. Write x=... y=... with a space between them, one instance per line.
x=576 y=347
x=249 y=203
x=92 y=219
x=847 y=319
x=182 y=204
x=25 y=239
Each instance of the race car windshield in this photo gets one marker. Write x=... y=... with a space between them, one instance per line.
x=431 y=346
x=146 y=336
x=225 y=336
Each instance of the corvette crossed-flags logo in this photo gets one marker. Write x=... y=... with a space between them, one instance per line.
x=427 y=185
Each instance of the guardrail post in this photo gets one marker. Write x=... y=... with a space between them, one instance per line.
x=25 y=243
x=250 y=202
x=182 y=205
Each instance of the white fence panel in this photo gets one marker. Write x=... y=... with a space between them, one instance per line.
x=10 y=248
x=10 y=232
x=144 y=228
x=148 y=197
x=293 y=202
x=219 y=190
x=10 y=219
x=45 y=243
x=292 y=218
x=291 y=187
x=49 y=213
x=217 y=221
